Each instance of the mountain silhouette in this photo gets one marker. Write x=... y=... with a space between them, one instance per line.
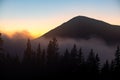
x=82 y=27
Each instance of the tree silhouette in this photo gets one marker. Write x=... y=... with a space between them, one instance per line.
x=65 y=63
x=81 y=67
x=80 y=57
x=28 y=53
x=97 y=63
x=39 y=53
x=91 y=60
x=117 y=60
x=74 y=52
x=105 y=71
x=73 y=57
x=112 y=67
x=43 y=60
x=66 y=56
x=52 y=54
x=48 y=62
x=116 y=64
x=92 y=65
x=2 y=56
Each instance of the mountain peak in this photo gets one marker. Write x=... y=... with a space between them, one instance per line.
x=81 y=27
x=83 y=19
x=79 y=18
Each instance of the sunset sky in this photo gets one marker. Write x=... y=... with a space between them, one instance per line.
x=40 y=16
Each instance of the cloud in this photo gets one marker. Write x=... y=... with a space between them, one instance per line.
x=105 y=51
x=16 y=43
x=21 y=35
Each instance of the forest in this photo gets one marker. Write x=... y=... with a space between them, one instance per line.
x=49 y=62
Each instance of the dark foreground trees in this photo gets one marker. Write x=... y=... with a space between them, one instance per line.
x=51 y=63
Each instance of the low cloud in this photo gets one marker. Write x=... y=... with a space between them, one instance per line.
x=21 y=35
x=105 y=51
x=16 y=43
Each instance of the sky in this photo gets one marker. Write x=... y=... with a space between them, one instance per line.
x=39 y=16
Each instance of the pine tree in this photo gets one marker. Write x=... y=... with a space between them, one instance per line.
x=39 y=54
x=117 y=60
x=97 y=63
x=105 y=71
x=112 y=70
x=2 y=56
x=52 y=50
x=66 y=58
x=43 y=57
x=81 y=62
x=80 y=57
x=73 y=58
x=74 y=52
x=1 y=43
x=91 y=59
x=92 y=64
x=27 y=58
x=112 y=66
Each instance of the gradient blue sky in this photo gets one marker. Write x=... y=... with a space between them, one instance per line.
x=40 y=16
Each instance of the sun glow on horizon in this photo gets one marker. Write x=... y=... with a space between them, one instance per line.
x=36 y=28
x=40 y=16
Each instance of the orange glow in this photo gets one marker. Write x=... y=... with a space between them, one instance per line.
x=38 y=27
x=19 y=34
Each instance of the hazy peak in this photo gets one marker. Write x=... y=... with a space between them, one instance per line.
x=85 y=27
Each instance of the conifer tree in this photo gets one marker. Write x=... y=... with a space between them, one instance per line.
x=73 y=58
x=52 y=50
x=27 y=58
x=2 y=56
x=105 y=71
x=93 y=62
x=39 y=54
x=74 y=52
x=80 y=57
x=117 y=60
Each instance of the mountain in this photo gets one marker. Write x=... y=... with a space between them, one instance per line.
x=86 y=28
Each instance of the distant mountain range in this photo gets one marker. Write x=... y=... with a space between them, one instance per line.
x=82 y=27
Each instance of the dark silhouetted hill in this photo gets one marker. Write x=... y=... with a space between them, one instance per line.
x=86 y=28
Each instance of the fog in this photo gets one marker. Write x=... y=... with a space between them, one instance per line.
x=17 y=44
x=99 y=46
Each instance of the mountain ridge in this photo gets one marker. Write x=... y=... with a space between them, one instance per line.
x=85 y=27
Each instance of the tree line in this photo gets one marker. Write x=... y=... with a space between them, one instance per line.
x=50 y=62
